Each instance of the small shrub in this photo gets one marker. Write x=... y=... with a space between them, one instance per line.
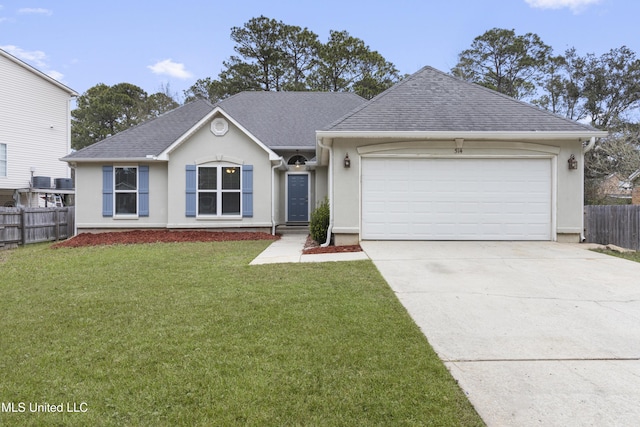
x=320 y=222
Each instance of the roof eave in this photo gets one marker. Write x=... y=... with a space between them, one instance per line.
x=485 y=135
x=39 y=73
x=146 y=159
x=293 y=147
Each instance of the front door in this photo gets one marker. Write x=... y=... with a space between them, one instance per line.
x=298 y=198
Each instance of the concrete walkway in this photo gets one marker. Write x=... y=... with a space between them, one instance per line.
x=289 y=249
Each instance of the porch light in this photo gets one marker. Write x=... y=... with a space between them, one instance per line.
x=297 y=163
x=347 y=161
x=573 y=162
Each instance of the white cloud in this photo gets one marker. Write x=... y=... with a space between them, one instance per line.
x=576 y=6
x=35 y=11
x=55 y=75
x=170 y=68
x=36 y=58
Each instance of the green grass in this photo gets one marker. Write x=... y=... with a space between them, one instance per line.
x=190 y=334
x=632 y=256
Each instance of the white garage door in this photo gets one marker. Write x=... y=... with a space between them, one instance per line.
x=456 y=199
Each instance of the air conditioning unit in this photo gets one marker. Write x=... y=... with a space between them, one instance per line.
x=41 y=182
x=63 y=183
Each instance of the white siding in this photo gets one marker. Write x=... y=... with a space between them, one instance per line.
x=34 y=124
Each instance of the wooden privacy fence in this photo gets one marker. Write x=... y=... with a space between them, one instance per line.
x=21 y=226
x=613 y=224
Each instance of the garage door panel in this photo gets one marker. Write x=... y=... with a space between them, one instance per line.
x=456 y=199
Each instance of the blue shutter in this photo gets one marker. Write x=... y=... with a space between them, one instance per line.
x=143 y=190
x=107 y=190
x=191 y=179
x=247 y=190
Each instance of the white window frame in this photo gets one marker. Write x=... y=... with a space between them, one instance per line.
x=116 y=192
x=4 y=161
x=219 y=191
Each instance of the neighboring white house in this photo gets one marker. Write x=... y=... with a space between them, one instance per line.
x=35 y=132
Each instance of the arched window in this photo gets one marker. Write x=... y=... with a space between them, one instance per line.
x=297 y=160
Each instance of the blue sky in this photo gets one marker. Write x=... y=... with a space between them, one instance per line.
x=151 y=43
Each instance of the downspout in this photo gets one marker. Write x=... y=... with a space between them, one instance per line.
x=590 y=145
x=586 y=149
x=273 y=195
x=330 y=192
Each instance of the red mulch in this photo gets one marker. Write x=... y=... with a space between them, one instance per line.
x=312 y=247
x=166 y=236
x=157 y=236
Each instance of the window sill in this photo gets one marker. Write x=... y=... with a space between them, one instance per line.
x=218 y=218
x=125 y=217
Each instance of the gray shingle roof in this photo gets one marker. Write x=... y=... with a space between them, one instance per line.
x=277 y=119
x=288 y=119
x=432 y=101
x=149 y=138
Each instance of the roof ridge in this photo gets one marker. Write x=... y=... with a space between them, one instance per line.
x=375 y=98
x=447 y=82
x=525 y=103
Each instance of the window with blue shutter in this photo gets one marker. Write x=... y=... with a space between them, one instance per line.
x=143 y=190
x=190 y=196
x=107 y=191
x=219 y=191
x=247 y=191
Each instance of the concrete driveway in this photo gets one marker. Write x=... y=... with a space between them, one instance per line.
x=536 y=333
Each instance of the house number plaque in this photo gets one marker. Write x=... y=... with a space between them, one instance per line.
x=459 y=142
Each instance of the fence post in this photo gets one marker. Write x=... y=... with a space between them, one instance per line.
x=23 y=226
x=57 y=224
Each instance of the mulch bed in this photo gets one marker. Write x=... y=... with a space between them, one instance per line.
x=168 y=236
x=312 y=247
x=159 y=236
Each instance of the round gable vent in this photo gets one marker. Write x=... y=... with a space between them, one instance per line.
x=219 y=126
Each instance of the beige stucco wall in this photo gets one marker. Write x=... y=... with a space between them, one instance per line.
x=321 y=185
x=89 y=198
x=233 y=148
x=568 y=191
x=167 y=185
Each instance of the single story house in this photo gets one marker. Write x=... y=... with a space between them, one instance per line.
x=243 y=163
x=432 y=158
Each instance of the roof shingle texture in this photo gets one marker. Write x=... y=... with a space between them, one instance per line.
x=289 y=119
x=149 y=138
x=432 y=101
x=277 y=119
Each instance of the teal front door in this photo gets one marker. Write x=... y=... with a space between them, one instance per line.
x=298 y=198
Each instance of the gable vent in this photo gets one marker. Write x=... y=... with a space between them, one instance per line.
x=219 y=126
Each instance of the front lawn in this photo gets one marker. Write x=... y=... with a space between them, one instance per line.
x=190 y=334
